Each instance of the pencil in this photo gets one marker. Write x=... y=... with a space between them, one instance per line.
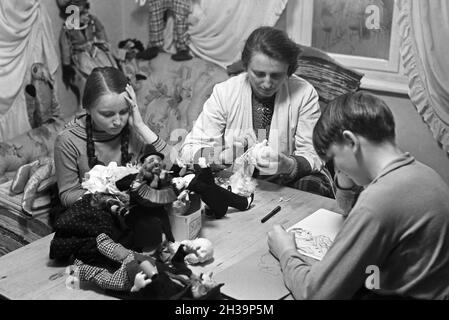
x=272 y=213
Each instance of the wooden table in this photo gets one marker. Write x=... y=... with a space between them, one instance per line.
x=28 y=273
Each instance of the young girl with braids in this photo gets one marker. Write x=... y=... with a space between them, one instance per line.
x=112 y=129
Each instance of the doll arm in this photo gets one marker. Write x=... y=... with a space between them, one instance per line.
x=65 y=46
x=111 y=249
x=105 y=279
x=140 y=281
x=100 y=32
x=147 y=274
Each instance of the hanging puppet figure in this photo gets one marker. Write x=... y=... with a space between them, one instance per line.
x=127 y=52
x=40 y=95
x=156 y=9
x=84 y=44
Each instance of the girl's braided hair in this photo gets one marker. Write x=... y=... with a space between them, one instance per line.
x=103 y=81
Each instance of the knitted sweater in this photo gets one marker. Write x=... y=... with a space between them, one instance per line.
x=71 y=159
x=399 y=224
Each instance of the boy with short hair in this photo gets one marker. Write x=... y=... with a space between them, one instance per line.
x=399 y=223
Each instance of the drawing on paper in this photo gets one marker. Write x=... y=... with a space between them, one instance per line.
x=311 y=245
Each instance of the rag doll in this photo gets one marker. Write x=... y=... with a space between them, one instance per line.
x=128 y=194
x=199 y=250
x=157 y=9
x=40 y=96
x=120 y=189
x=32 y=179
x=83 y=47
x=152 y=270
x=218 y=199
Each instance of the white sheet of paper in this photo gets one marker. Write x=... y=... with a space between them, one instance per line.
x=319 y=231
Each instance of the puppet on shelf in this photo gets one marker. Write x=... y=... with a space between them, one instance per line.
x=154 y=270
x=202 y=182
x=128 y=50
x=84 y=46
x=157 y=9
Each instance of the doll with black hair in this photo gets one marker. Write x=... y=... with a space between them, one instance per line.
x=128 y=50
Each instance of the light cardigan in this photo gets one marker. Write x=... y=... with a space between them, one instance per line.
x=228 y=114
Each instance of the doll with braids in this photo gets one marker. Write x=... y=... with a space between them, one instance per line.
x=111 y=130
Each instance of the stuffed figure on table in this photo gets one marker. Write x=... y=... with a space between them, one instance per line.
x=83 y=47
x=202 y=182
x=146 y=192
x=153 y=270
x=157 y=9
x=152 y=185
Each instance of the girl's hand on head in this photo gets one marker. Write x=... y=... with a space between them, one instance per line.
x=135 y=118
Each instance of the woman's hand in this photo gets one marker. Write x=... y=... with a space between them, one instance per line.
x=135 y=118
x=270 y=162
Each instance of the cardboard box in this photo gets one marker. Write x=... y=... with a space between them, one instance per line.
x=188 y=225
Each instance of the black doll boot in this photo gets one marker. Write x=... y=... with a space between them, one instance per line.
x=219 y=199
x=181 y=55
x=148 y=54
x=237 y=201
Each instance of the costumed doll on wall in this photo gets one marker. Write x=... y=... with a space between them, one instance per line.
x=84 y=46
x=157 y=9
x=40 y=95
x=127 y=52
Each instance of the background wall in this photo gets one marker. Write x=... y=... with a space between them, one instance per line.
x=414 y=136
x=124 y=19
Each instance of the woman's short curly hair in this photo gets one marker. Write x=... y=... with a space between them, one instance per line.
x=274 y=43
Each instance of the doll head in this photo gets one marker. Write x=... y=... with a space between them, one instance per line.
x=153 y=164
x=179 y=183
x=117 y=204
x=198 y=251
x=83 y=6
x=132 y=47
x=203 y=284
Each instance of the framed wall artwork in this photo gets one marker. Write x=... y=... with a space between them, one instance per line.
x=360 y=34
